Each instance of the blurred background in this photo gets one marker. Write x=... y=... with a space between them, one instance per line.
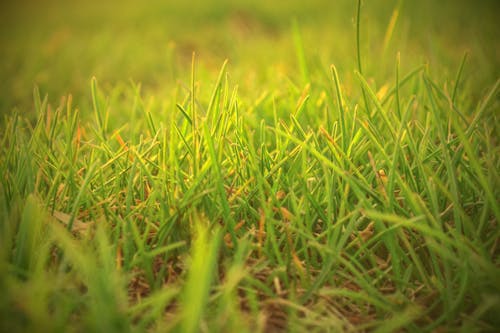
x=60 y=45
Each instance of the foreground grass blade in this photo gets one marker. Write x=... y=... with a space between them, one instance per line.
x=203 y=266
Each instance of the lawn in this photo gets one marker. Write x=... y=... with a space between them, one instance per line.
x=249 y=166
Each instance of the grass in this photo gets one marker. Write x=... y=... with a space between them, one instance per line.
x=262 y=193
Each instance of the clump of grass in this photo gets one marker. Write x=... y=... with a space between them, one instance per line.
x=307 y=210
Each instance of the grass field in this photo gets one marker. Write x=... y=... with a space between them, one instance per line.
x=249 y=166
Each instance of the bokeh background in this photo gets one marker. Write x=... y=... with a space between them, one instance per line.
x=59 y=45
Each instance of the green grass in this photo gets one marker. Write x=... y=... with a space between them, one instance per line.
x=339 y=172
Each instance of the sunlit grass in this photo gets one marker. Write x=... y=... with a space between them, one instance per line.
x=325 y=200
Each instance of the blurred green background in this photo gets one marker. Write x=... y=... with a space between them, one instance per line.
x=60 y=45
